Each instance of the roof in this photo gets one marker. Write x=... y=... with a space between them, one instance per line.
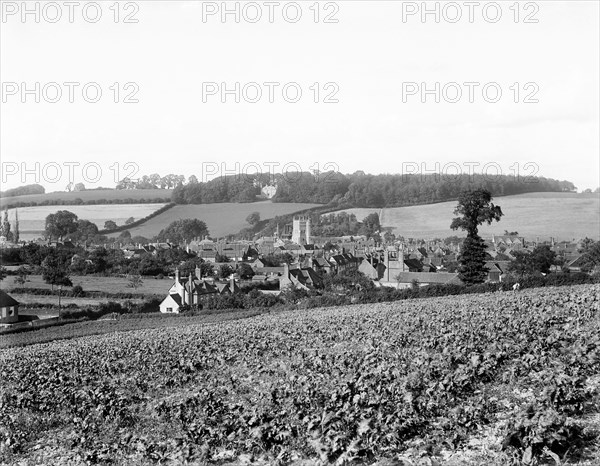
x=267 y=270
x=175 y=297
x=321 y=262
x=6 y=300
x=493 y=266
x=413 y=264
x=306 y=276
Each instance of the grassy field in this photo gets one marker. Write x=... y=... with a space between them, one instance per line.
x=222 y=219
x=92 y=194
x=150 y=286
x=563 y=216
x=32 y=219
x=462 y=380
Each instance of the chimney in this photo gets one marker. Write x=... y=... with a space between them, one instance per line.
x=191 y=292
x=232 y=284
x=198 y=273
x=286 y=270
x=177 y=275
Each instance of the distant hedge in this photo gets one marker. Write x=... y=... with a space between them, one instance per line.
x=138 y=222
x=79 y=201
x=76 y=293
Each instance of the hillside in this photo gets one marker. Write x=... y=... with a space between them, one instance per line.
x=98 y=196
x=32 y=219
x=462 y=380
x=563 y=216
x=222 y=219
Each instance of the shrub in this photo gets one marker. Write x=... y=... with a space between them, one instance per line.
x=77 y=291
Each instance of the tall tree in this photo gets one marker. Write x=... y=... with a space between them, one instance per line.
x=542 y=258
x=591 y=257
x=17 y=236
x=474 y=208
x=55 y=271
x=60 y=224
x=22 y=274
x=5 y=228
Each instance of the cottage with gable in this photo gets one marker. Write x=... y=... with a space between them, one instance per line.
x=9 y=309
x=187 y=292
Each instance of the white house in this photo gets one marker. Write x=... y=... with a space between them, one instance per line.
x=186 y=292
x=9 y=309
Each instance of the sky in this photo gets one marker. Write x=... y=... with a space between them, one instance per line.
x=384 y=89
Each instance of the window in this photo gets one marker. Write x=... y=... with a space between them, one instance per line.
x=11 y=311
x=169 y=309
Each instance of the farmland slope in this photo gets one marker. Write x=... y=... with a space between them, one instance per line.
x=222 y=219
x=447 y=378
x=105 y=196
x=32 y=219
x=562 y=215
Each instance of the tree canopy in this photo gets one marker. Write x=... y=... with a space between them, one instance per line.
x=183 y=231
x=253 y=218
x=60 y=224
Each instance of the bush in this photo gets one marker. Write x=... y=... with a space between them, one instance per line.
x=147 y=307
x=77 y=291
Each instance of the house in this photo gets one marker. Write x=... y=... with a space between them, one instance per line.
x=308 y=249
x=9 y=309
x=187 y=292
x=372 y=267
x=320 y=264
x=511 y=241
x=301 y=278
x=269 y=191
x=257 y=264
x=574 y=265
x=230 y=287
x=495 y=273
x=413 y=265
x=344 y=261
x=269 y=271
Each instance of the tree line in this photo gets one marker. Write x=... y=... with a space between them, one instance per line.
x=363 y=190
x=360 y=189
x=23 y=190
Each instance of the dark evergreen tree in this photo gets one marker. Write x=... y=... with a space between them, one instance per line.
x=472 y=261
